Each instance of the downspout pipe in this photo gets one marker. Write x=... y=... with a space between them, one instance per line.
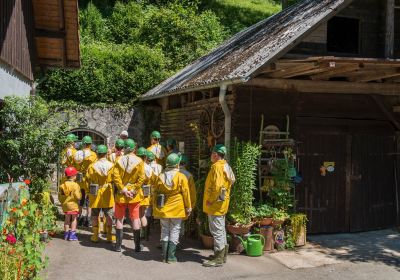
x=228 y=118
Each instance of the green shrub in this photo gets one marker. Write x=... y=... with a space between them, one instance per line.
x=125 y=22
x=109 y=73
x=93 y=27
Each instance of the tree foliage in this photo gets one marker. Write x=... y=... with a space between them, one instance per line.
x=32 y=138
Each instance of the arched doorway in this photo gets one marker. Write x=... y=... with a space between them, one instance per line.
x=98 y=138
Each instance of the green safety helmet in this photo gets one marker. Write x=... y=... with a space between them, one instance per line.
x=102 y=149
x=150 y=155
x=173 y=160
x=141 y=152
x=184 y=159
x=155 y=135
x=120 y=143
x=171 y=142
x=72 y=137
x=220 y=149
x=130 y=145
x=87 y=140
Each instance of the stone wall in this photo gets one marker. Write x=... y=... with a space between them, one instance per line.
x=108 y=122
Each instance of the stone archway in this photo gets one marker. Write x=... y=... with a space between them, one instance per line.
x=98 y=138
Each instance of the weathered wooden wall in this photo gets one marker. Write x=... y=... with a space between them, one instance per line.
x=371 y=14
x=177 y=123
x=351 y=131
x=16 y=35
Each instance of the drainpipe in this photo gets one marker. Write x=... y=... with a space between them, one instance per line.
x=228 y=118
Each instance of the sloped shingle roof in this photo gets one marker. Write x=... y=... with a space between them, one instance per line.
x=243 y=54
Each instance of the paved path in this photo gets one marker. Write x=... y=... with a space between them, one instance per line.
x=365 y=258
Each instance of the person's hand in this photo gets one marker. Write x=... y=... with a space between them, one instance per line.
x=126 y=193
x=188 y=211
x=208 y=203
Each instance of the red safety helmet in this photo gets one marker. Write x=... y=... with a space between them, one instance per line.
x=70 y=171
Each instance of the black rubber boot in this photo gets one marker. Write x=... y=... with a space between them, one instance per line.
x=136 y=238
x=164 y=247
x=171 y=252
x=118 y=235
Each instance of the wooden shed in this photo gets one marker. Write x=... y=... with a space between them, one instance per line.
x=329 y=65
x=34 y=35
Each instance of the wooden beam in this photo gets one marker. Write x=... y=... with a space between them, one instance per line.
x=293 y=71
x=335 y=70
x=389 y=36
x=389 y=115
x=374 y=76
x=306 y=86
x=396 y=109
x=55 y=34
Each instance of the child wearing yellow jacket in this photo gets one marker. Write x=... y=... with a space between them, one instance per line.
x=171 y=204
x=69 y=195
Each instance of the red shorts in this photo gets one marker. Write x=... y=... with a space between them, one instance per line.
x=133 y=208
x=71 y=213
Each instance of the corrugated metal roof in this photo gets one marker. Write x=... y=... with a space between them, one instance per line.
x=242 y=55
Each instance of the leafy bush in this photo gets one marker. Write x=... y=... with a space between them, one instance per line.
x=125 y=22
x=93 y=27
x=264 y=211
x=109 y=73
x=31 y=140
x=244 y=164
x=182 y=34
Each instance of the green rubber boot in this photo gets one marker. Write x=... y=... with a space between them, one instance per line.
x=217 y=261
x=226 y=253
x=164 y=247
x=171 y=252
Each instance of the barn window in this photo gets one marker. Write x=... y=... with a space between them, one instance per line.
x=343 y=35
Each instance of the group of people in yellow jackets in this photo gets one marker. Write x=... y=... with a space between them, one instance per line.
x=134 y=180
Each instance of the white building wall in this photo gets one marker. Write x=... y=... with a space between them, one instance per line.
x=11 y=83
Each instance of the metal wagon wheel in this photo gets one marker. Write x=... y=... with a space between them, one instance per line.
x=204 y=123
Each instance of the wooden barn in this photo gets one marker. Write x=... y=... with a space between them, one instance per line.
x=330 y=68
x=35 y=35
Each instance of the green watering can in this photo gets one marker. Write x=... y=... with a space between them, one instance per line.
x=254 y=245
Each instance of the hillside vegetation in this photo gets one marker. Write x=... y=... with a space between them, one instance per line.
x=128 y=47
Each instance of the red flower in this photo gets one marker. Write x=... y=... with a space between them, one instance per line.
x=11 y=239
x=27 y=181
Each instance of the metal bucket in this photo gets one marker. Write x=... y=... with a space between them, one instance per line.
x=79 y=177
x=160 y=200
x=93 y=189
x=146 y=190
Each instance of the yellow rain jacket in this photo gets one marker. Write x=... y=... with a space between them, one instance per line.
x=220 y=176
x=159 y=152
x=83 y=159
x=157 y=168
x=192 y=185
x=101 y=173
x=174 y=186
x=148 y=181
x=68 y=156
x=69 y=195
x=114 y=157
x=129 y=174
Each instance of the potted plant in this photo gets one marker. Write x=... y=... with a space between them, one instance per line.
x=263 y=214
x=279 y=217
x=244 y=164
x=298 y=228
x=202 y=220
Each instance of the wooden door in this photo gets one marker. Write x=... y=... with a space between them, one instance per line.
x=322 y=197
x=373 y=196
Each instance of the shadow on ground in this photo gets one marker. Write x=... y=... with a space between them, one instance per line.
x=375 y=246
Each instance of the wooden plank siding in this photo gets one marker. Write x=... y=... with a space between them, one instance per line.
x=176 y=123
x=371 y=14
x=16 y=36
x=350 y=130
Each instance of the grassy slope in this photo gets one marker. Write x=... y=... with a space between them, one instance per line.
x=239 y=14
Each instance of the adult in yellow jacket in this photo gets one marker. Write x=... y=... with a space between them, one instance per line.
x=99 y=178
x=216 y=203
x=83 y=159
x=69 y=195
x=68 y=154
x=171 y=204
x=129 y=176
x=156 y=148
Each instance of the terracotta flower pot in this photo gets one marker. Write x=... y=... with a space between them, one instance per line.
x=277 y=222
x=239 y=229
x=265 y=221
x=208 y=241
